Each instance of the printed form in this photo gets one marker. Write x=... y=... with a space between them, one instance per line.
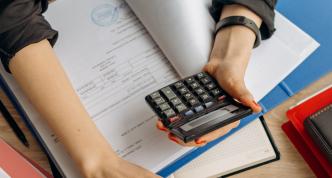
x=114 y=76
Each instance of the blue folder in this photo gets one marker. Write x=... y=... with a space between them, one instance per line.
x=313 y=18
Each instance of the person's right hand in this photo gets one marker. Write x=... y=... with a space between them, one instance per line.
x=115 y=168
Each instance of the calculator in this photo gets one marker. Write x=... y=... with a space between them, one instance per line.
x=195 y=106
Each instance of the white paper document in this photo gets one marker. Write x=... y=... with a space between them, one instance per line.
x=113 y=66
x=113 y=63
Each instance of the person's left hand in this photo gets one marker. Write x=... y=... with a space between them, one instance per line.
x=229 y=72
x=228 y=62
x=230 y=75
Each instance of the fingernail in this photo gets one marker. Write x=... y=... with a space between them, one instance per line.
x=172 y=138
x=175 y=141
x=200 y=142
x=161 y=128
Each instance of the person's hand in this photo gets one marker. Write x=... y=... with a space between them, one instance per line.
x=110 y=167
x=228 y=62
x=230 y=75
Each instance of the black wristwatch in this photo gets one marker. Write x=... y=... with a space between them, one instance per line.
x=240 y=20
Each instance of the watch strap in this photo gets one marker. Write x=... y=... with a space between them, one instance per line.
x=240 y=20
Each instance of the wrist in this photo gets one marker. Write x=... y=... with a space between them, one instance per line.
x=233 y=42
x=99 y=162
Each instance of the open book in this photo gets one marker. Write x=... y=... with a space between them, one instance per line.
x=247 y=148
x=113 y=61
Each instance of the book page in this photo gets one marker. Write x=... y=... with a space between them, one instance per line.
x=249 y=146
x=184 y=30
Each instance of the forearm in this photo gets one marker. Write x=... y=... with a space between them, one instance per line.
x=41 y=77
x=231 y=53
x=235 y=41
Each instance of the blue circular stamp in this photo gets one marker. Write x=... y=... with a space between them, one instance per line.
x=105 y=15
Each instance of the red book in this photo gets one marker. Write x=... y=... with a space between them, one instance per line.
x=297 y=115
x=304 y=150
x=14 y=165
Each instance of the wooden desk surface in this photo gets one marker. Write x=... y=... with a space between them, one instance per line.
x=290 y=165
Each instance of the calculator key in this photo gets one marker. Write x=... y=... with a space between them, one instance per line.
x=178 y=85
x=222 y=97
x=209 y=104
x=201 y=75
x=211 y=86
x=168 y=92
x=188 y=113
x=176 y=101
x=169 y=113
x=174 y=119
x=205 y=80
x=155 y=95
x=164 y=107
x=199 y=91
x=181 y=108
x=205 y=97
x=159 y=100
x=193 y=102
x=189 y=80
x=216 y=92
x=194 y=85
x=199 y=108
x=183 y=90
x=188 y=96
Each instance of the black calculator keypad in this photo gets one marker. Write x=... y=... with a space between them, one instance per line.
x=184 y=98
x=179 y=105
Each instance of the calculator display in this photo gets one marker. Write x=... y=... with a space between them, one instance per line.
x=220 y=114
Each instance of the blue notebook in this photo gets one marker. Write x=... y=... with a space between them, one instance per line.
x=318 y=64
